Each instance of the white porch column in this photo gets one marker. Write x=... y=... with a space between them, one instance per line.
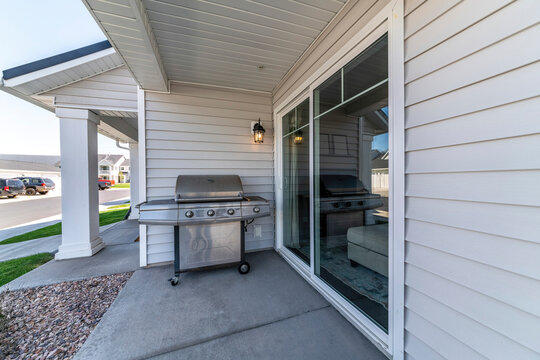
x=134 y=179
x=80 y=199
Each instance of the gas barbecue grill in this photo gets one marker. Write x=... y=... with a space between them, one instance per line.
x=210 y=215
x=344 y=203
x=345 y=193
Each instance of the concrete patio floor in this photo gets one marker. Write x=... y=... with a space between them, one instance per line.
x=270 y=313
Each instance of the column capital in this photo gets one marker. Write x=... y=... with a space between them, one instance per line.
x=82 y=114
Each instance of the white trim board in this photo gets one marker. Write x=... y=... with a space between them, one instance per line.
x=141 y=109
x=396 y=98
x=23 y=79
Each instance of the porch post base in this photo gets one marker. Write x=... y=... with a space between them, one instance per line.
x=78 y=250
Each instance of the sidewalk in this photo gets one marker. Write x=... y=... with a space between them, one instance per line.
x=47 y=244
x=121 y=254
x=31 y=226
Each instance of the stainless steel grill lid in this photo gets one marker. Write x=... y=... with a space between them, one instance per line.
x=204 y=188
x=337 y=185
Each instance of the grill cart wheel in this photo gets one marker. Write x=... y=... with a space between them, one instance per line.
x=243 y=268
x=174 y=281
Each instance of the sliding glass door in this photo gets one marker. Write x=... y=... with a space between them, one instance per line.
x=346 y=244
x=351 y=181
x=295 y=170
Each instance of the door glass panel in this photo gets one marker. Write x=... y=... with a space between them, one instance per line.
x=352 y=186
x=367 y=70
x=295 y=142
x=328 y=94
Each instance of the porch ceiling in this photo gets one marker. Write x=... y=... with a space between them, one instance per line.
x=240 y=44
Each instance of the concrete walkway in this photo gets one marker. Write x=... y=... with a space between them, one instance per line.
x=120 y=255
x=271 y=313
x=26 y=248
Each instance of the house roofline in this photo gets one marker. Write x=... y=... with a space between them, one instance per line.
x=55 y=60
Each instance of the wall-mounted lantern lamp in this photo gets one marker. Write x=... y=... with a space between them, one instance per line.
x=299 y=137
x=258 y=132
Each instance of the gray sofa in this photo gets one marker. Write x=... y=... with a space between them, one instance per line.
x=368 y=246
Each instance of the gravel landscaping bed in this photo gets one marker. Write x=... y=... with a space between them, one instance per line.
x=53 y=321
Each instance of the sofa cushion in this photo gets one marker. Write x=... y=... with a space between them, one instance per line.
x=370 y=259
x=372 y=237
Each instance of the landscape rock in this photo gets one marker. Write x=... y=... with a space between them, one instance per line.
x=54 y=321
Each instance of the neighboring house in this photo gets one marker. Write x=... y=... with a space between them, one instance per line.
x=438 y=262
x=124 y=171
x=113 y=167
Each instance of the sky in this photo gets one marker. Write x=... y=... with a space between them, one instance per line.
x=380 y=142
x=32 y=30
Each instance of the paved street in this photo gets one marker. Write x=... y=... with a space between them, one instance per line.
x=21 y=212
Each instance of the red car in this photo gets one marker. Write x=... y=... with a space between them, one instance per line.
x=104 y=184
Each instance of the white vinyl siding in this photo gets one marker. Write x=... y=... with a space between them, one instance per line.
x=113 y=93
x=205 y=130
x=472 y=179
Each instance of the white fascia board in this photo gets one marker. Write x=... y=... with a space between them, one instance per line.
x=24 y=97
x=26 y=78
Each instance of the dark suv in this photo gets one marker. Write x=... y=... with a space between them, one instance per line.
x=104 y=184
x=37 y=184
x=11 y=187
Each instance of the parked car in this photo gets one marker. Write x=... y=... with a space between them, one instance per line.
x=11 y=187
x=103 y=184
x=35 y=185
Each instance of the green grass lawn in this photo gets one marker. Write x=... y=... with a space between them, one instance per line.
x=105 y=218
x=12 y=269
x=110 y=217
x=121 y=186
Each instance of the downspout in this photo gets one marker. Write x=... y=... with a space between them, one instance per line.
x=120 y=146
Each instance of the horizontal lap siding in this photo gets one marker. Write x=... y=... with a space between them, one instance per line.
x=113 y=90
x=472 y=179
x=202 y=130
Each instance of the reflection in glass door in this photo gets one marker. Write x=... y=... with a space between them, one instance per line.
x=295 y=150
x=351 y=157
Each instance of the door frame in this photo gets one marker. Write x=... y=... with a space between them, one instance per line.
x=388 y=20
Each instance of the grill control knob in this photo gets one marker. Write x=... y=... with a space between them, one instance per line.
x=210 y=212
x=256 y=209
x=189 y=214
x=230 y=211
